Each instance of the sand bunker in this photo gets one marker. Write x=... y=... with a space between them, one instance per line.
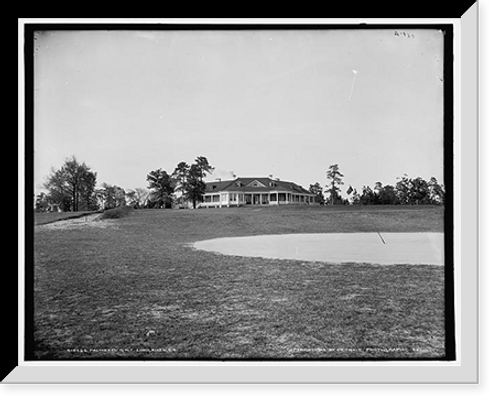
x=384 y=248
x=74 y=223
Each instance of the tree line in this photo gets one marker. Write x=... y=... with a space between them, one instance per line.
x=73 y=188
x=406 y=191
x=185 y=179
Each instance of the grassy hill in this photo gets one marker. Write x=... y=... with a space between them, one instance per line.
x=136 y=289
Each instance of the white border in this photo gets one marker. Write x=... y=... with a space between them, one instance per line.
x=463 y=371
x=20 y=194
x=457 y=187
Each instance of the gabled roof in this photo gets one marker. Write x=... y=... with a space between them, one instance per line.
x=216 y=186
x=256 y=183
x=245 y=184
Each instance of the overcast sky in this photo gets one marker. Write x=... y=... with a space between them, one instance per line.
x=283 y=102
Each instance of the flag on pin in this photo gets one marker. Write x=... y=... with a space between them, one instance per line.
x=349 y=190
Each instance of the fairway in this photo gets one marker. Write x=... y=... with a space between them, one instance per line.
x=135 y=288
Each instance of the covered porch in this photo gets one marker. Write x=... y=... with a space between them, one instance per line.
x=277 y=198
x=213 y=200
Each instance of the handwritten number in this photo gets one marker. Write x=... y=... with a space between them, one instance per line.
x=403 y=33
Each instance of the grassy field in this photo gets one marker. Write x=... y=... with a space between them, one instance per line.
x=134 y=288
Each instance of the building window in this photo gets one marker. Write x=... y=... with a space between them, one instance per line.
x=272 y=197
x=216 y=198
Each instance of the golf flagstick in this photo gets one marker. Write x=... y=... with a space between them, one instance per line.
x=381 y=238
x=352 y=86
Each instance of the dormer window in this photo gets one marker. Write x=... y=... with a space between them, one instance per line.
x=256 y=183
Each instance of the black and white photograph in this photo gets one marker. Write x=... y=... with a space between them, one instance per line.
x=241 y=193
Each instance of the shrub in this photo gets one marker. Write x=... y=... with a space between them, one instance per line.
x=115 y=213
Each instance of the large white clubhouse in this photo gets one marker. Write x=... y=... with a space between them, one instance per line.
x=254 y=191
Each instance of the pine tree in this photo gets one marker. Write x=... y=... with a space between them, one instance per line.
x=335 y=176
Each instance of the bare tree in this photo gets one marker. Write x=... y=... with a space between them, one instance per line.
x=72 y=186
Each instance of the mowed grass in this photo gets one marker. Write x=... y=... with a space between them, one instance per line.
x=135 y=288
